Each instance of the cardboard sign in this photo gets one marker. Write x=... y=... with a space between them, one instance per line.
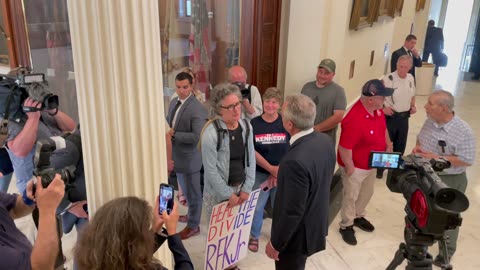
x=228 y=233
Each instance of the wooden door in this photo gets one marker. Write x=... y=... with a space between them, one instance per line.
x=260 y=40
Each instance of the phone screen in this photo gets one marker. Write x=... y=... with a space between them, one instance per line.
x=385 y=160
x=165 y=199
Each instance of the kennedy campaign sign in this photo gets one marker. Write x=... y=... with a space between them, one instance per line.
x=228 y=233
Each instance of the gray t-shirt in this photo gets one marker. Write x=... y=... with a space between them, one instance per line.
x=328 y=99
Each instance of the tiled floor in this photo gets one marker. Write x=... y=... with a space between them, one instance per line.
x=374 y=250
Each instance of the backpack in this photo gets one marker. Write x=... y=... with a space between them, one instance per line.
x=11 y=98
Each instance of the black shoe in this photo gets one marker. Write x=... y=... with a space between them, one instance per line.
x=439 y=261
x=348 y=235
x=363 y=224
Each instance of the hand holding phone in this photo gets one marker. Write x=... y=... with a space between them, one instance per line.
x=165 y=199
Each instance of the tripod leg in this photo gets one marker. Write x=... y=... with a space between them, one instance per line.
x=398 y=258
x=444 y=253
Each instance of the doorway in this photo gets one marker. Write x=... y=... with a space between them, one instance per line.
x=455 y=31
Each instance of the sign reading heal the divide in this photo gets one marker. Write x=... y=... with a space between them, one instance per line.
x=228 y=233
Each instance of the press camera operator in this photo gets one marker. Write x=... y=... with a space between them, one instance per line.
x=37 y=123
x=16 y=252
x=445 y=135
x=251 y=99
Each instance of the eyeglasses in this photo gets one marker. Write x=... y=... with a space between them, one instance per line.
x=232 y=107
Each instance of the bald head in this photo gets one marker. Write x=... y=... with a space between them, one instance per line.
x=237 y=74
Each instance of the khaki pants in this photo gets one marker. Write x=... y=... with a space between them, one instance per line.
x=357 y=192
x=458 y=182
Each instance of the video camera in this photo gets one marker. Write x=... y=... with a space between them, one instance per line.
x=15 y=88
x=41 y=160
x=245 y=91
x=432 y=207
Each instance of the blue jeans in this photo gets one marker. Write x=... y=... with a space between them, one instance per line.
x=257 y=222
x=68 y=221
x=5 y=182
x=190 y=182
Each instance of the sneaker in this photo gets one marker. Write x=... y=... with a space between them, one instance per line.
x=348 y=235
x=363 y=224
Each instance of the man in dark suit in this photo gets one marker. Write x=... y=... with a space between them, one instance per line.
x=408 y=48
x=433 y=44
x=300 y=215
x=186 y=117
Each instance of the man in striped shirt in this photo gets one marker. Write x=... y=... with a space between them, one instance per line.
x=445 y=135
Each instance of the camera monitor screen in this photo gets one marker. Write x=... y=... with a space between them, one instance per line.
x=386 y=160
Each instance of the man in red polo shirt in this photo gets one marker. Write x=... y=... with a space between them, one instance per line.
x=363 y=130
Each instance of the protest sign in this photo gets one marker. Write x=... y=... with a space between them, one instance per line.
x=228 y=233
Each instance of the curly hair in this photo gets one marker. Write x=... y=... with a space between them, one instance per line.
x=217 y=95
x=118 y=237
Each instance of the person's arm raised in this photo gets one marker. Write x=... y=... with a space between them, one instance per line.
x=45 y=249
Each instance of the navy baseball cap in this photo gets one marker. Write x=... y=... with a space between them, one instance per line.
x=376 y=88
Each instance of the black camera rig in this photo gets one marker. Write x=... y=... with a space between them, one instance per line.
x=432 y=208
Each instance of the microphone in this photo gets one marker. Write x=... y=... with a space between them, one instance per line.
x=442 y=144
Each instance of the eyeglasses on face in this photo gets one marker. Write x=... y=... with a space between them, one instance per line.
x=232 y=106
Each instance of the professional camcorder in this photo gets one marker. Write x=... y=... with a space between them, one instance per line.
x=246 y=91
x=15 y=88
x=432 y=207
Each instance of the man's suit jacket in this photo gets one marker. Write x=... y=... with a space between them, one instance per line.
x=300 y=215
x=434 y=39
x=191 y=118
x=417 y=61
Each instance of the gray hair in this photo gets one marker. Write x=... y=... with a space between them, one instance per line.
x=218 y=93
x=407 y=58
x=301 y=110
x=445 y=98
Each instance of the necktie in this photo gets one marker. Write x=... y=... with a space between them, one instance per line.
x=410 y=53
x=174 y=112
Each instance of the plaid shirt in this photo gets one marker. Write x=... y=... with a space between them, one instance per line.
x=459 y=140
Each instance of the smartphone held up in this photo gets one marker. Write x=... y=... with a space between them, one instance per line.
x=165 y=198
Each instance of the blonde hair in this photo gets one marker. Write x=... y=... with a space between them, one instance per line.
x=273 y=92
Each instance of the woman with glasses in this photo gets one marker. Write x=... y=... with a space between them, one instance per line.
x=229 y=165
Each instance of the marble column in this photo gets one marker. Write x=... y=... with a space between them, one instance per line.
x=117 y=60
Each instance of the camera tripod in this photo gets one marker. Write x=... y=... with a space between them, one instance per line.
x=415 y=250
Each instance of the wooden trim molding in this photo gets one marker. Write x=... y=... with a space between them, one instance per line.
x=8 y=33
x=19 y=33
